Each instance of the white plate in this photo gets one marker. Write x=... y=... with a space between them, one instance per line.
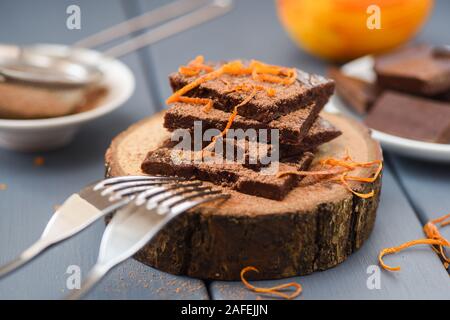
x=363 y=69
x=51 y=133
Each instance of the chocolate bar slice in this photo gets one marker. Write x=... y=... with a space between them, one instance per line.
x=357 y=93
x=307 y=89
x=415 y=70
x=292 y=127
x=321 y=132
x=234 y=175
x=411 y=117
x=250 y=154
x=257 y=155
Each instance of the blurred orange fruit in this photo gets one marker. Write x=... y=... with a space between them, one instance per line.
x=345 y=29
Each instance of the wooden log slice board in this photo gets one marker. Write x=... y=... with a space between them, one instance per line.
x=317 y=225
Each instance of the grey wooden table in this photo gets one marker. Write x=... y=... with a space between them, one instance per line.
x=413 y=192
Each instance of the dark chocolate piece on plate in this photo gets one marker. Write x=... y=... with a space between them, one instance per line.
x=357 y=93
x=415 y=70
x=234 y=175
x=307 y=89
x=292 y=127
x=411 y=117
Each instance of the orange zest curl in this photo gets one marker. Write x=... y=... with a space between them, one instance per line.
x=240 y=87
x=431 y=230
x=328 y=172
x=271 y=73
x=235 y=68
x=342 y=167
x=261 y=67
x=208 y=103
x=202 y=79
x=277 y=290
x=271 y=92
x=402 y=247
x=195 y=66
x=434 y=238
x=274 y=79
x=231 y=119
x=343 y=180
x=234 y=113
x=245 y=87
x=187 y=71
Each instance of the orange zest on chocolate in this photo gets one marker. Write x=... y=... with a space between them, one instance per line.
x=274 y=79
x=433 y=237
x=276 y=290
x=259 y=71
x=206 y=77
x=270 y=73
x=232 y=117
x=194 y=67
x=208 y=103
x=342 y=167
x=328 y=172
x=271 y=92
x=235 y=110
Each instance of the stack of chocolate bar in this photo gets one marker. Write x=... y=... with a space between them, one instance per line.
x=292 y=109
x=410 y=97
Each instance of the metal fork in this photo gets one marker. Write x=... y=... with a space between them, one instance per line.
x=88 y=205
x=134 y=225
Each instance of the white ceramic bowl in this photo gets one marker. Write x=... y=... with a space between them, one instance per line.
x=52 y=133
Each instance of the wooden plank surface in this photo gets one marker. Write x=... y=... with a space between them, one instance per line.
x=427 y=186
x=32 y=192
x=421 y=277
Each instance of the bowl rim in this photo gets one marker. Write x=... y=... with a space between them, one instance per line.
x=78 y=118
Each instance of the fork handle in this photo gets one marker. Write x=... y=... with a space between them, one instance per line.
x=24 y=257
x=93 y=277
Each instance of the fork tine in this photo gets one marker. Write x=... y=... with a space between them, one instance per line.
x=111 y=181
x=186 y=205
x=115 y=180
x=143 y=196
x=155 y=201
x=126 y=185
x=152 y=190
x=183 y=191
x=174 y=201
x=147 y=195
x=129 y=192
